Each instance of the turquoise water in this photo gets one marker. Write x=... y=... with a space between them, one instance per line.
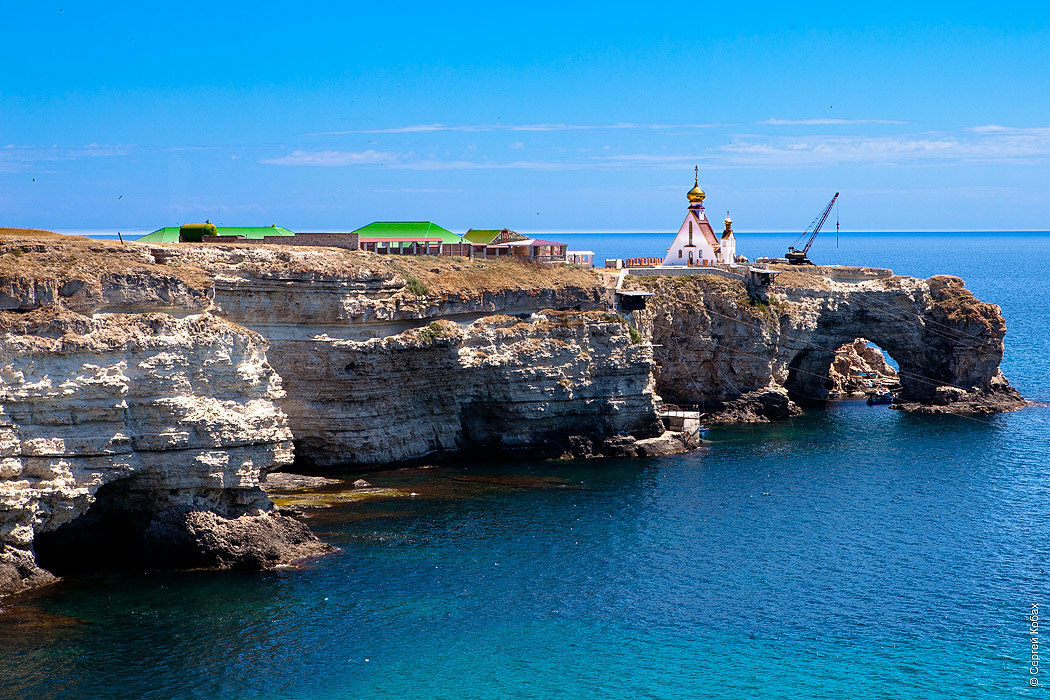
x=854 y=552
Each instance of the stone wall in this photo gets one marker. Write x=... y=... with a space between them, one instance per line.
x=348 y=241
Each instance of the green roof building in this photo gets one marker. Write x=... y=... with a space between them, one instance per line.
x=493 y=236
x=170 y=234
x=482 y=235
x=404 y=231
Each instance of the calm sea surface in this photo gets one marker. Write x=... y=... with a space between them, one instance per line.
x=854 y=552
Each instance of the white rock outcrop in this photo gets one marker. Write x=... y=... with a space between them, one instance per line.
x=171 y=415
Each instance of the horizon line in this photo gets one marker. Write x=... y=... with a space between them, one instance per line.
x=113 y=231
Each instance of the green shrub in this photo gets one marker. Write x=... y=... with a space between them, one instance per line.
x=430 y=332
x=415 y=286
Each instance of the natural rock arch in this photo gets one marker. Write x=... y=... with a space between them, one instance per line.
x=945 y=341
x=743 y=356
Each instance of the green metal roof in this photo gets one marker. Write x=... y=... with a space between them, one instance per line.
x=406 y=229
x=170 y=234
x=482 y=235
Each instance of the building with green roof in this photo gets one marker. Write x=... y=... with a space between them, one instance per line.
x=170 y=234
x=493 y=236
x=404 y=231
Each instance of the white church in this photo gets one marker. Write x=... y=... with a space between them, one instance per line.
x=696 y=242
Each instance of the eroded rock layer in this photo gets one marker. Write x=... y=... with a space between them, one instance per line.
x=164 y=417
x=498 y=382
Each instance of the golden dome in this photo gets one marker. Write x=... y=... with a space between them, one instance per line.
x=696 y=195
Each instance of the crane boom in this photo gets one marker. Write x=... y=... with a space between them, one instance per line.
x=799 y=257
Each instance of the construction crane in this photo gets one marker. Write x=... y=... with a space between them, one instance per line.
x=799 y=257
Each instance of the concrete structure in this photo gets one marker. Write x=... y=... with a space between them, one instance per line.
x=538 y=250
x=696 y=242
x=583 y=258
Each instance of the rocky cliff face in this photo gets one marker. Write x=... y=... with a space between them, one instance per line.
x=499 y=382
x=753 y=360
x=146 y=390
x=118 y=431
x=386 y=360
x=139 y=409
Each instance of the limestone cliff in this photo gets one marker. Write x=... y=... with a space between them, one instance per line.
x=750 y=359
x=398 y=358
x=146 y=390
x=137 y=424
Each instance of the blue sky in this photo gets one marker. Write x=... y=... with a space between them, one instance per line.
x=540 y=117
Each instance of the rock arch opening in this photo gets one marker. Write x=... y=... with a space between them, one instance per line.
x=853 y=369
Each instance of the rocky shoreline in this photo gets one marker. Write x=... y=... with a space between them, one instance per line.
x=146 y=392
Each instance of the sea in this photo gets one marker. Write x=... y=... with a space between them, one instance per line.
x=852 y=552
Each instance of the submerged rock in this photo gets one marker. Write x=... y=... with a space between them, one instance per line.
x=284 y=481
x=19 y=571
x=205 y=539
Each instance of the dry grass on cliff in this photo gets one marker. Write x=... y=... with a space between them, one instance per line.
x=427 y=274
x=33 y=256
x=962 y=307
x=31 y=233
x=791 y=276
x=452 y=274
x=694 y=286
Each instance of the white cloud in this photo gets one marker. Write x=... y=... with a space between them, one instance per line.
x=411 y=161
x=15 y=158
x=473 y=128
x=828 y=121
x=333 y=158
x=976 y=144
x=412 y=190
x=1031 y=131
x=518 y=144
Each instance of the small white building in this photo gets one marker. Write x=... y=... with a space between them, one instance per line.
x=696 y=242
